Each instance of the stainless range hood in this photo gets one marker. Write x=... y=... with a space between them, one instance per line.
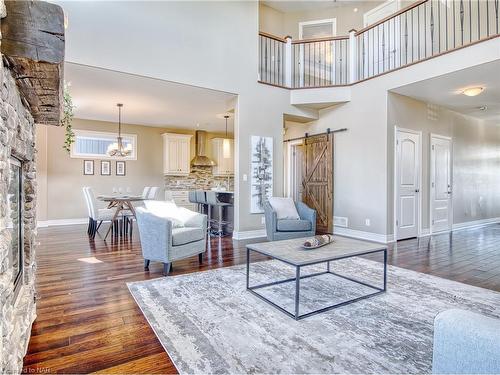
x=200 y=159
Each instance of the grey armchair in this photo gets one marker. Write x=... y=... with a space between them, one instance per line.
x=162 y=242
x=286 y=229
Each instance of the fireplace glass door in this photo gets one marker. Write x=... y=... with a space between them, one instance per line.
x=14 y=221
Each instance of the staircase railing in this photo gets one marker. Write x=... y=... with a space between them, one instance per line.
x=425 y=29
x=320 y=62
x=272 y=59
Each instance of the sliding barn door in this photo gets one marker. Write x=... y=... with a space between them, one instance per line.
x=317 y=179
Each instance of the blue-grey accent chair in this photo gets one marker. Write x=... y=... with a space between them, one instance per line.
x=161 y=242
x=466 y=343
x=285 y=229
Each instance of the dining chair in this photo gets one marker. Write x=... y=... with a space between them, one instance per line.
x=153 y=193
x=96 y=215
x=145 y=192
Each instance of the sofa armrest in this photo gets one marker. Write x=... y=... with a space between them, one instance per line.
x=466 y=343
x=306 y=213
x=271 y=218
x=155 y=234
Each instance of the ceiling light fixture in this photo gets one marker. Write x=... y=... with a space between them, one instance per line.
x=355 y=10
x=482 y=108
x=473 y=91
x=117 y=148
x=226 y=143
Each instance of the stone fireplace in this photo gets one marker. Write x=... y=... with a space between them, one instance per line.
x=31 y=80
x=17 y=224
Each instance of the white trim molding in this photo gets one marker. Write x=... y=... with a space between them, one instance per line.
x=249 y=234
x=331 y=21
x=60 y=222
x=106 y=136
x=475 y=223
x=362 y=235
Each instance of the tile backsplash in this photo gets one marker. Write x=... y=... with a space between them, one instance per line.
x=200 y=178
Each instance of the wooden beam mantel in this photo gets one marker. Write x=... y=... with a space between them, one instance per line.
x=33 y=49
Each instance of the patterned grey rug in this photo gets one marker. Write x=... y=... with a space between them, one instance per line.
x=209 y=323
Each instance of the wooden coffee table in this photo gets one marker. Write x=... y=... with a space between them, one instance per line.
x=291 y=253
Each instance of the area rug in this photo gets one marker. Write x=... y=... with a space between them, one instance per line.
x=208 y=323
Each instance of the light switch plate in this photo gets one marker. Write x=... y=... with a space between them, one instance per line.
x=245 y=177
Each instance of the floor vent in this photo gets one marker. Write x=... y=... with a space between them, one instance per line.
x=340 y=221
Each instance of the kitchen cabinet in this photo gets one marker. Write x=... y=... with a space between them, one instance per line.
x=176 y=154
x=225 y=166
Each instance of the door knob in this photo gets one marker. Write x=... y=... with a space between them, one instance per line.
x=417 y=190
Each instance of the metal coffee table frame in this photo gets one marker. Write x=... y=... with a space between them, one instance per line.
x=296 y=315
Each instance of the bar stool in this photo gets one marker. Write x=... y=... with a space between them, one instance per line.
x=201 y=199
x=212 y=201
x=192 y=199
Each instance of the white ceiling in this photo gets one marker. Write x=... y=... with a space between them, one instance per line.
x=446 y=91
x=287 y=6
x=146 y=101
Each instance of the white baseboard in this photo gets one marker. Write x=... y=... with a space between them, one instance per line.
x=475 y=223
x=59 y=222
x=375 y=237
x=425 y=232
x=249 y=234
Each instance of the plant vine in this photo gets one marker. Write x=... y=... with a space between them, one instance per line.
x=67 y=119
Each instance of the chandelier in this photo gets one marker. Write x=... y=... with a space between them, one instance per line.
x=117 y=148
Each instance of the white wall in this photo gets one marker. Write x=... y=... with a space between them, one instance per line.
x=209 y=44
x=364 y=153
x=475 y=156
x=217 y=47
x=287 y=23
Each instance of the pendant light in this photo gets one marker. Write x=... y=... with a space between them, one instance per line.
x=226 y=144
x=117 y=149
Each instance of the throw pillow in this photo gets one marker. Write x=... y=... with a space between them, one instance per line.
x=284 y=208
x=167 y=210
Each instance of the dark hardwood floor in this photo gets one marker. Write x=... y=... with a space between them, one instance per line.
x=88 y=321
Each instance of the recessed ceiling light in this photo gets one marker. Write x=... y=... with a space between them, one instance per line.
x=473 y=91
x=355 y=10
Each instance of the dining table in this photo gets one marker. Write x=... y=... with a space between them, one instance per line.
x=120 y=203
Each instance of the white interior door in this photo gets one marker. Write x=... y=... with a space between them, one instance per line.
x=441 y=184
x=407 y=184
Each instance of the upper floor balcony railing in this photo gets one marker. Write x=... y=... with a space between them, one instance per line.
x=423 y=30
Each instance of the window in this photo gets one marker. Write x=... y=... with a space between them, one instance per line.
x=318 y=29
x=91 y=144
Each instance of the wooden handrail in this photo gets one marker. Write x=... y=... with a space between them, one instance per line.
x=271 y=36
x=399 y=12
x=326 y=39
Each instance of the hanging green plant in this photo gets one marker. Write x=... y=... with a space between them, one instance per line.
x=67 y=119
